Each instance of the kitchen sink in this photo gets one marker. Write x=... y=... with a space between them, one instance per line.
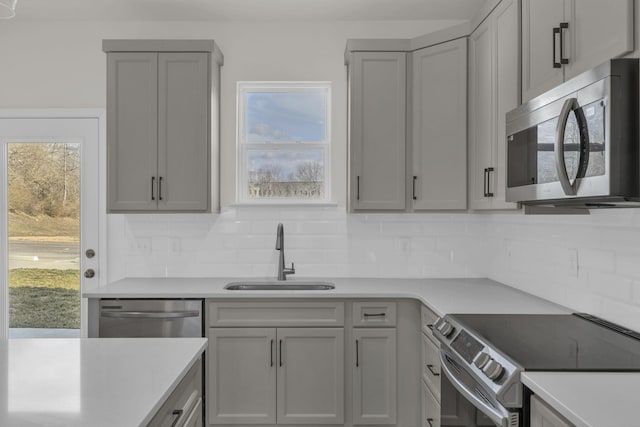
x=277 y=286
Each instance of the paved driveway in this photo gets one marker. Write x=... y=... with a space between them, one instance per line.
x=54 y=255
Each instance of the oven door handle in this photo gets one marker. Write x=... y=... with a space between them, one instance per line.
x=501 y=419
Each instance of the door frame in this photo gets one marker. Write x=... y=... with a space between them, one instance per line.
x=57 y=113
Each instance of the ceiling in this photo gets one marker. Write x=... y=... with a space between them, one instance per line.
x=247 y=10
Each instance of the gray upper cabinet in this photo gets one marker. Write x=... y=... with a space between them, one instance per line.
x=162 y=125
x=407 y=126
x=377 y=127
x=493 y=91
x=563 y=38
x=439 y=126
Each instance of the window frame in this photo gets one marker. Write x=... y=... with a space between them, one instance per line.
x=243 y=146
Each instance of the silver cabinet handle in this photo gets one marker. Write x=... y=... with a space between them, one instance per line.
x=489 y=193
x=149 y=314
x=271 y=354
x=153 y=184
x=357 y=354
x=280 y=353
x=160 y=188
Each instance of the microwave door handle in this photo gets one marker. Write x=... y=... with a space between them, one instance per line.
x=561 y=167
x=495 y=416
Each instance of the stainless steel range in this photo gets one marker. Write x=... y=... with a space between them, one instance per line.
x=483 y=355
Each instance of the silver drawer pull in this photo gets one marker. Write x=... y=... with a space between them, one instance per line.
x=375 y=314
x=149 y=314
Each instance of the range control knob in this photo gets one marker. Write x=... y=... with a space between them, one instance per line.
x=481 y=360
x=446 y=329
x=493 y=370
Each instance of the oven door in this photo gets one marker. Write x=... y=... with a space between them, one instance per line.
x=465 y=402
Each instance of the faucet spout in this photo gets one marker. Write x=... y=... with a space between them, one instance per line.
x=282 y=270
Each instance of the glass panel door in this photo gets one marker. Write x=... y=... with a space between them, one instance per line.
x=50 y=179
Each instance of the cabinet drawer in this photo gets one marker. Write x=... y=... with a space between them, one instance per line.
x=431 y=366
x=430 y=408
x=275 y=314
x=377 y=314
x=428 y=319
x=184 y=403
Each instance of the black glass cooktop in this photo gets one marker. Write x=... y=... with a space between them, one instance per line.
x=564 y=342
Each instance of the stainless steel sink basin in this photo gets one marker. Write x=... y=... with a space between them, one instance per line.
x=277 y=286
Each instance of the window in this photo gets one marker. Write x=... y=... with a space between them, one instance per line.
x=283 y=142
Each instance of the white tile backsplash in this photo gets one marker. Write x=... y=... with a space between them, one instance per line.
x=322 y=241
x=532 y=253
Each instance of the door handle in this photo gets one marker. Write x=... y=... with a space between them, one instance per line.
x=160 y=188
x=280 y=353
x=484 y=185
x=489 y=192
x=556 y=32
x=357 y=354
x=153 y=184
x=433 y=372
x=414 y=188
x=271 y=354
x=358 y=187
x=570 y=188
x=177 y=413
x=563 y=26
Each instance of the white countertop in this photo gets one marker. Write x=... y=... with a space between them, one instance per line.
x=443 y=296
x=103 y=382
x=590 y=399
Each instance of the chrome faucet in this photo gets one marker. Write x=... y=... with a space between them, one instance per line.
x=282 y=270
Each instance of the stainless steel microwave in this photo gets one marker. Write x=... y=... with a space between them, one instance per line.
x=577 y=144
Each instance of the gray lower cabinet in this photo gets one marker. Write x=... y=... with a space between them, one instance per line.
x=276 y=376
x=162 y=125
x=184 y=406
x=275 y=362
x=543 y=415
x=374 y=376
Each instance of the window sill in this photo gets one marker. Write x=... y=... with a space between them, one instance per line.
x=283 y=204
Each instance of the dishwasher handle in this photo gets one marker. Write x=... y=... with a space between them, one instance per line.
x=150 y=314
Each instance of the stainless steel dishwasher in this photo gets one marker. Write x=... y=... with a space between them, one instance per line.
x=123 y=318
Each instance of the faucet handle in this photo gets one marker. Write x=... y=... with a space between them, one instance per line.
x=293 y=268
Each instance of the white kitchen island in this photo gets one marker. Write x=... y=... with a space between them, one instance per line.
x=91 y=382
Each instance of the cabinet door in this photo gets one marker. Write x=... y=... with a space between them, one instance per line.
x=242 y=376
x=506 y=20
x=598 y=31
x=542 y=415
x=430 y=408
x=439 y=137
x=481 y=113
x=310 y=376
x=377 y=130
x=183 y=133
x=374 y=376
x=539 y=18
x=132 y=126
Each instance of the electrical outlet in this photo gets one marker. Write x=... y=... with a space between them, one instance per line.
x=143 y=245
x=572 y=262
x=175 y=246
